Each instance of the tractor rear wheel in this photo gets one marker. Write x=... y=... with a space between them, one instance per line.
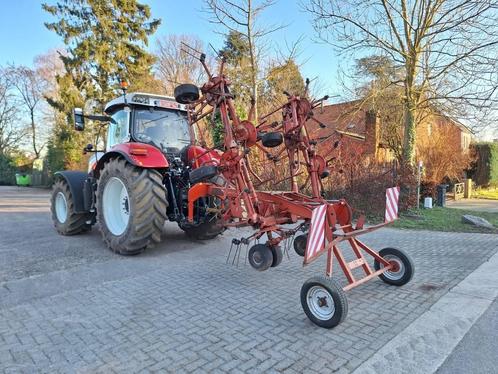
x=66 y=221
x=131 y=207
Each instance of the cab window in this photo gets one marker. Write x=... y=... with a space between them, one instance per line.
x=118 y=131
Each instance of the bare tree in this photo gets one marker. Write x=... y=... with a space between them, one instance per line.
x=29 y=87
x=174 y=66
x=447 y=50
x=241 y=17
x=10 y=134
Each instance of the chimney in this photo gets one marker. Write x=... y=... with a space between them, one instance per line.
x=372 y=133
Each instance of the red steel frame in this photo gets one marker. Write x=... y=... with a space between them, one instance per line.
x=266 y=211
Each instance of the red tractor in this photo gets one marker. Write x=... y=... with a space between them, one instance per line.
x=140 y=179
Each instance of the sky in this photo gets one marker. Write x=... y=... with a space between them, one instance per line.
x=24 y=36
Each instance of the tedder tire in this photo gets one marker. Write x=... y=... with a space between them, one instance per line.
x=260 y=257
x=186 y=93
x=324 y=301
x=300 y=243
x=278 y=256
x=272 y=139
x=131 y=207
x=403 y=271
x=66 y=221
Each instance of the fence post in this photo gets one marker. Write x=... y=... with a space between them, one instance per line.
x=467 y=191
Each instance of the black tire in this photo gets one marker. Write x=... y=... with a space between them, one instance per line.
x=404 y=264
x=203 y=173
x=272 y=139
x=300 y=243
x=318 y=293
x=147 y=204
x=74 y=223
x=186 y=93
x=203 y=231
x=210 y=227
x=260 y=257
x=278 y=256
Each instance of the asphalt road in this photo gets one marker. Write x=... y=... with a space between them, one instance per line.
x=477 y=352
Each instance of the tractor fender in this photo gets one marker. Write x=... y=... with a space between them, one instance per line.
x=196 y=156
x=76 y=182
x=138 y=154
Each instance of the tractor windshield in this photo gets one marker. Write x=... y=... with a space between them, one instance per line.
x=167 y=129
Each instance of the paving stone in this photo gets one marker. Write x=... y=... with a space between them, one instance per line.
x=180 y=308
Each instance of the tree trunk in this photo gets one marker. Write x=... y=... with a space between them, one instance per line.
x=33 y=132
x=410 y=134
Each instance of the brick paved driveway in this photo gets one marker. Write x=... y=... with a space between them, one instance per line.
x=67 y=304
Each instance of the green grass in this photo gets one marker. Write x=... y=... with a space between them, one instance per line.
x=490 y=193
x=444 y=219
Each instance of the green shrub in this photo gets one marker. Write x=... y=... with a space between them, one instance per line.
x=7 y=170
x=485 y=167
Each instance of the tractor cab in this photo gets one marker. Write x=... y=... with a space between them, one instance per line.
x=151 y=119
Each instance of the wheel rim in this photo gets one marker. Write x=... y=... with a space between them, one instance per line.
x=61 y=207
x=257 y=257
x=320 y=302
x=116 y=206
x=398 y=270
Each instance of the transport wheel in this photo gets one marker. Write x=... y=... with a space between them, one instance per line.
x=324 y=302
x=260 y=257
x=403 y=268
x=131 y=207
x=66 y=221
x=278 y=256
x=300 y=244
x=272 y=139
x=186 y=93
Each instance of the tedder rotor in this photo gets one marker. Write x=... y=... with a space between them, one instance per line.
x=277 y=216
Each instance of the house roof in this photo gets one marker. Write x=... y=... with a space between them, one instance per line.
x=344 y=117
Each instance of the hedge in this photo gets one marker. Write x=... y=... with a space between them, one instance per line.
x=485 y=169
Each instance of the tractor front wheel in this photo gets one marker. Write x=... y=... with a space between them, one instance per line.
x=203 y=231
x=131 y=207
x=66 y=221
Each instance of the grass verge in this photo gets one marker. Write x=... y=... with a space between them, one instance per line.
x=444 y=219
x=491 y=193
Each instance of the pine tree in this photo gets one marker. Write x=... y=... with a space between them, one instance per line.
x=105 y=43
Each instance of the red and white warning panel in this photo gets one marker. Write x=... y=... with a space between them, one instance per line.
x=392 y=198
x=316 y=236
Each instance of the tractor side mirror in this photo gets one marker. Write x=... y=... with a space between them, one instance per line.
x=88 y=148
x=79 y=119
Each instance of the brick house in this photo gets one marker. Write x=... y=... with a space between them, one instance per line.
x=362 y=130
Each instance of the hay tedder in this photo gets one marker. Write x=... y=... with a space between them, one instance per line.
x=278 y=216
x=153 y=168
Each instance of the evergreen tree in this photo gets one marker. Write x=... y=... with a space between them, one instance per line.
x=105 y=43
